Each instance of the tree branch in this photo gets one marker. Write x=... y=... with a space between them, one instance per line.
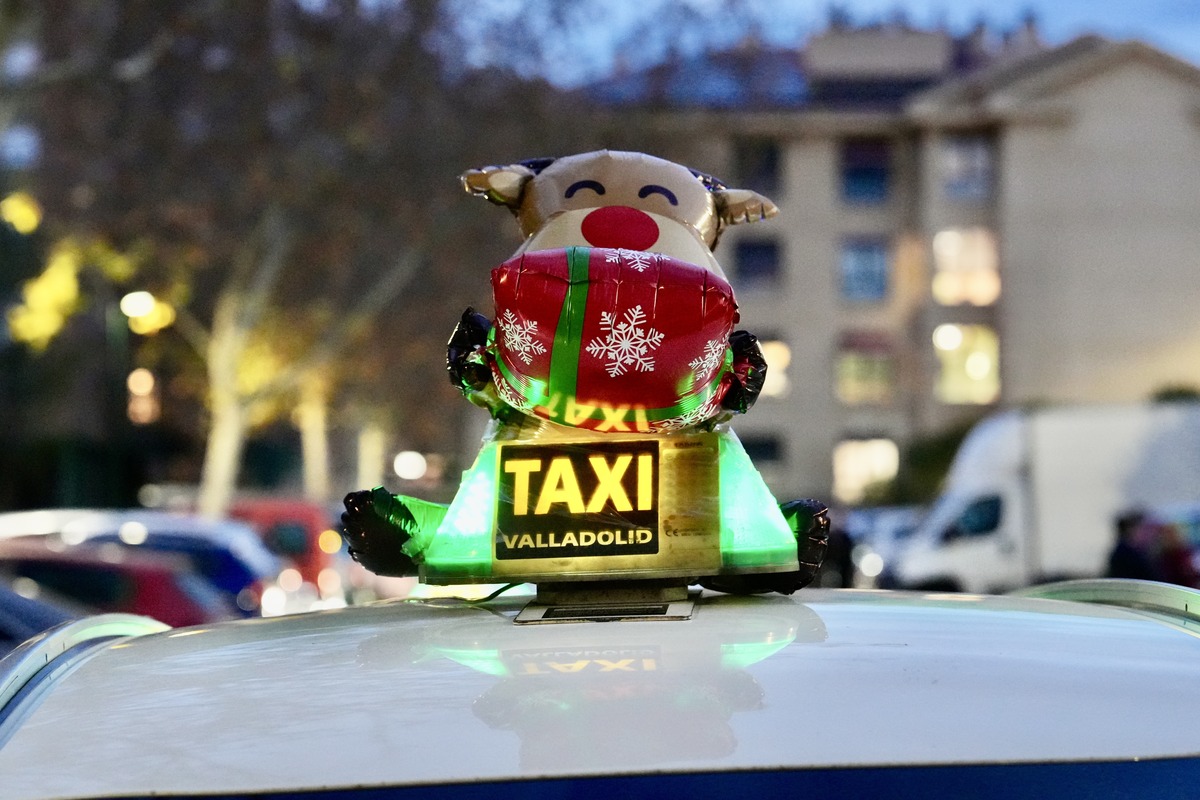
x=334 y=344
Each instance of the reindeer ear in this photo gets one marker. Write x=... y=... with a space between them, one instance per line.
x=735 y=206
x=501 y=185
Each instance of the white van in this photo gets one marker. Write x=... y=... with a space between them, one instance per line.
x=1033 y=495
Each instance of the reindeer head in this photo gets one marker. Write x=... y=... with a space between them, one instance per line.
x=618 y=199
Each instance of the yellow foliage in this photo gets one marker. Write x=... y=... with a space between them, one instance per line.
x=48 y=300
x=22 y=212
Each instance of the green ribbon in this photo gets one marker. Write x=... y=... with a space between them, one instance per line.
x=568 y=336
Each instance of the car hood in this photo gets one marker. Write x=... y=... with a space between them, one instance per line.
x=438 y=691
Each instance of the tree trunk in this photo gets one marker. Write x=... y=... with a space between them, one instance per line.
x=372 y=454
x=222 y=454
x=227 y=428
x=313 y=420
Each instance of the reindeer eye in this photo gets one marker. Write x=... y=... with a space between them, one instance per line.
x=650 y=189
x=595 y=186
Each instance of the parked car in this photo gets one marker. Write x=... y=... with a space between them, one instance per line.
x=111 y=578
x=24 y=617
x=878 y=537
x=305 y=536
x=1074 y=690
x=228 y=554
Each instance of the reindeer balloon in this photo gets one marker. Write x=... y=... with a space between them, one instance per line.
x=611 y=369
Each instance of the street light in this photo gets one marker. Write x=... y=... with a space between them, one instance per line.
x=147 y=314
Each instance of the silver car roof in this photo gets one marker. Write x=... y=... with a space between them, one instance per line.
x=438 y=691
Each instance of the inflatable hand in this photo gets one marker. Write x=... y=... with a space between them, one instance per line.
x=374 y=528
x=748 y=374
x=465 y=363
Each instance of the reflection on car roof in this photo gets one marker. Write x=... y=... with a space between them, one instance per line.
x=437 y=691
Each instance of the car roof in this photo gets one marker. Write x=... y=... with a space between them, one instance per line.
x=236 y=537
x=435 y=691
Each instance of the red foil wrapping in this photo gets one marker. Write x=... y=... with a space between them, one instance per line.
x=611 y=340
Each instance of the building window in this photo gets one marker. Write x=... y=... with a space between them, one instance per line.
x=778 y=356
x=866 y=369
x=756 y=163
x=866 y=171
x=864 y=268
x=969 y=357
x=967 y=165
x=966 y=268
x=763 y=449
x=756 y=261
x=862 y=466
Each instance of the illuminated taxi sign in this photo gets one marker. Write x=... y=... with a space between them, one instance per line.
x=579 y=508
x=566 y=501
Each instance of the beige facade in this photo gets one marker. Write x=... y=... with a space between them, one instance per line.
x=1039 y=222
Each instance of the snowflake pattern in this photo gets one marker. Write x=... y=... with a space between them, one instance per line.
x=714 y=354
x=628 y=343
x=511 y=396
x=637 y=260
x=700 y=414
x=518 y=336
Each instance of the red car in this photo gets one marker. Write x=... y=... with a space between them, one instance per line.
x=107 y=579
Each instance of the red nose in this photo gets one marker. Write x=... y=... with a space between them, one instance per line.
x=620 y=226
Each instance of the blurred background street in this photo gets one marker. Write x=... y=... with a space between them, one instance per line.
x=234 y=244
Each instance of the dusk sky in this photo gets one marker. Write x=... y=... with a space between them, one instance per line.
x=1172 y=25
x=586 y=53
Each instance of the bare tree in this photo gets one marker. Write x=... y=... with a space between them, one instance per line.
x=285 y=174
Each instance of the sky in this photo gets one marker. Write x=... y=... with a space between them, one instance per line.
x=1171 y=25
x=599 y=25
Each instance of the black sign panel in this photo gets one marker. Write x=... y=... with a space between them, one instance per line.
x=565 y=500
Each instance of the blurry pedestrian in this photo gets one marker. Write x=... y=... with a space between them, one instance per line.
x=1128 y=558
x=1175 y=558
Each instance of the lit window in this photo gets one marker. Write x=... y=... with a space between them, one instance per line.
x=859 y=465
x=966 y=268
x=778 y=356
x=866 y=171
x=756 y=163
x=866 y=369
x=863 y=269
x=966 y=162
x=969 y=356
x=756 y=261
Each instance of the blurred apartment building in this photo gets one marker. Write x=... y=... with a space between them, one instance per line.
x=965 y=223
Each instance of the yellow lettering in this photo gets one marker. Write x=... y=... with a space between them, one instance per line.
x=561 y=486
x=577 y=666
x=609 y=485
x=624 y=665
x=551 y=408
x=577 y=413
x=521 y=468
x=645 y=482
x=639 y=416
x=614 y=418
